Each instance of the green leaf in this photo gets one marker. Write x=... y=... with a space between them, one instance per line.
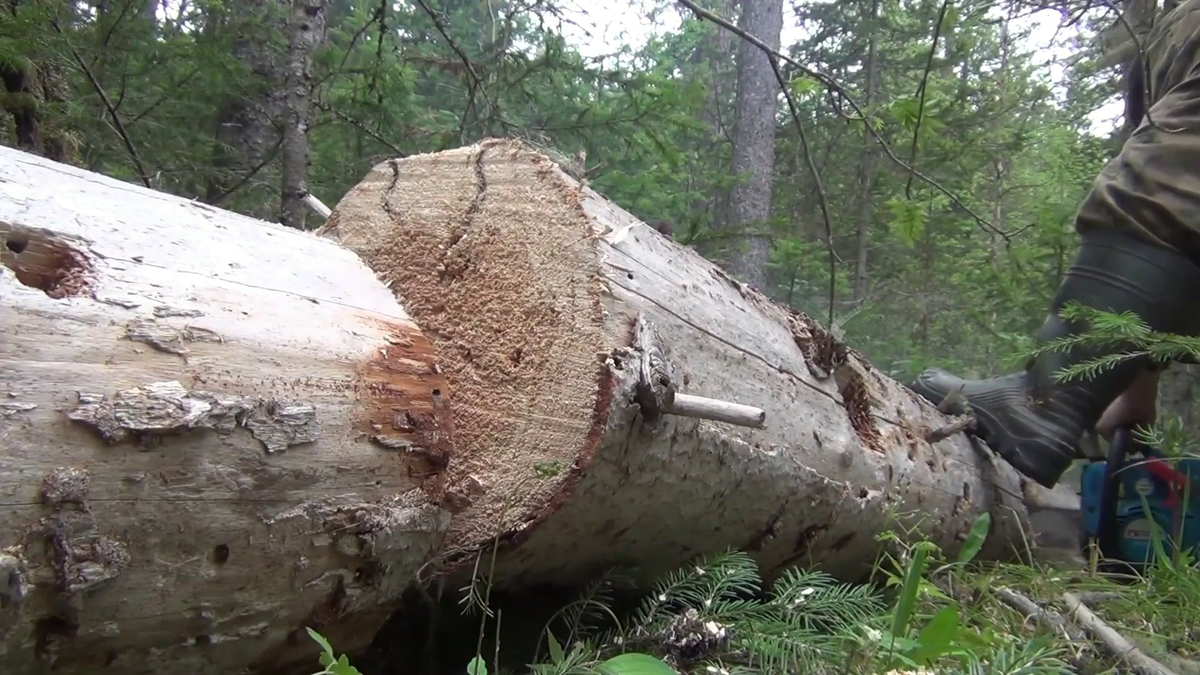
x=320 y=639
x=908 y=220
x=907 y=602
x=636 y=664
x=556 y=650
x=938 y=636
x=803 y=85
x=906 y=110
x=476 y=666
x=949 y=20
x=343 y=667
x=975 y=538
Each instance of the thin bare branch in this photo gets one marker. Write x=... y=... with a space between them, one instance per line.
x=922 y=89
x=118 y=126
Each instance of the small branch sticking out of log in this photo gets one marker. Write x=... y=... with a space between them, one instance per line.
x=656 y=386
x=719 y=411
x=942 y=433
x=1118 y=645
x=317 y=206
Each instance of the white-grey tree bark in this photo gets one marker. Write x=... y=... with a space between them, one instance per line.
x=306 y=32
x=213 y=432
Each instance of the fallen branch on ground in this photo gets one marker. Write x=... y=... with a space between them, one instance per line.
x=1118 y=645
x=1033 y=610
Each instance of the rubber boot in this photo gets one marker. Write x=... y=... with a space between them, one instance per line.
x=1034 y=421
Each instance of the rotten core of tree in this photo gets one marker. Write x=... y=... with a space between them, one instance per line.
x=45 y=261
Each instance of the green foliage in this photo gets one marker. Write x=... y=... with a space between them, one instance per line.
x=477 y=666
x=1118 y=337
x=334 y=665
x=714 y=615
x=976 y=116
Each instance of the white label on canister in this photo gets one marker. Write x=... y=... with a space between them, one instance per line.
x=1143 y=487
x=1139 y=530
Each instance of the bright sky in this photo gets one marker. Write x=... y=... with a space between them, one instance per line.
x=600 y=26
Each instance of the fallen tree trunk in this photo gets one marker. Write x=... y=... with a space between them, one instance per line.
x=216 y=431
x=545 y=302
x=213 y=432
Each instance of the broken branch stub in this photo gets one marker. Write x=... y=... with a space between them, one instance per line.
x=154 y=375
x=532 y=285
x=655 y=390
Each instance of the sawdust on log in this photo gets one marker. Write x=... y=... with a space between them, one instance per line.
x=488 y=250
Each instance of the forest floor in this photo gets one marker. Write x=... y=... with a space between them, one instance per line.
x=920 y=613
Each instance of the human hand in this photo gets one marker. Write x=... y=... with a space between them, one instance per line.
x=1138 y=404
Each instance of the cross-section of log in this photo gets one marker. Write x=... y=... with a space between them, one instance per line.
x=566 y=326
x=213 y=432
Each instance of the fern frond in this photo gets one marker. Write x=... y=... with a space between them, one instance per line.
x=817 y=601
x=782 y=648
x=700 y=584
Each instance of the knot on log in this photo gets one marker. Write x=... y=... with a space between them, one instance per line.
x=655 y=388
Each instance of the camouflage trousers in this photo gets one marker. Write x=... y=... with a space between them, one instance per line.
x=1152 y=188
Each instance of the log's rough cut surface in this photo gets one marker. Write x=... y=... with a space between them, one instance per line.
x=545 y=300
x=213 y=432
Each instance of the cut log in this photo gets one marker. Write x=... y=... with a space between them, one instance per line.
x=213 y=432
x=545 y=302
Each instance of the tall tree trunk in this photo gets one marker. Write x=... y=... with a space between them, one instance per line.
x=866 y=171
x=306 y=32
x=754 y=144
x=246 y=138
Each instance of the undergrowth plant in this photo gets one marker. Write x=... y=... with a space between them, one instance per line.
x=715 y=616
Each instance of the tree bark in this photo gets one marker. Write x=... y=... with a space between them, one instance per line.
x=306 y=31
x=754 y=144
x=534 y=289
x=215 y=431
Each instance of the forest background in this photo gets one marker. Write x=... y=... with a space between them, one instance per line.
x=930 y=227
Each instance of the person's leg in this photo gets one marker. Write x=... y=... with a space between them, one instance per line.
x=1139 y=233
x=1035 y=421
x=1137 y=405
